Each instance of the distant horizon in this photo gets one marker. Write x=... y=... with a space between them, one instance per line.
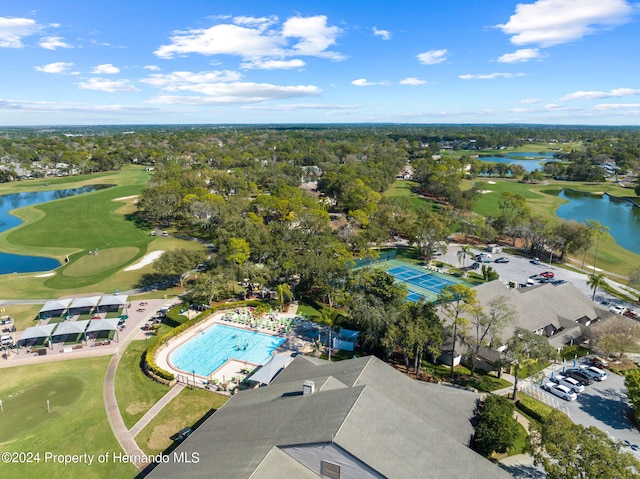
x=556 y=62
x=323 y=125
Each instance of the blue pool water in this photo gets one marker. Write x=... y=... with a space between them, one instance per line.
x=210 y=349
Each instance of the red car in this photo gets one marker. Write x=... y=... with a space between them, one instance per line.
x=547 y=274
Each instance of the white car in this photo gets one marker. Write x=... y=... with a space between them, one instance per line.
x=597 y=373
x=617 y=309
x=559 y=390
x=571 y=383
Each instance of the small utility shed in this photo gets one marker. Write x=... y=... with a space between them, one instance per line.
x=54 y=308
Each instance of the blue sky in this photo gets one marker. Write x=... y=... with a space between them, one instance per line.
x=415 y=61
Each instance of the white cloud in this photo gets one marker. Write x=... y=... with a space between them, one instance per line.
x=180 y=80
x=384 y=34
x=520 y=56
x=432 y=57
x=105 y=69
x=617 y=106
x=529 y=101
x=554 y=22
x=153 y=68
x=300 y=106
x=254 y=39
x=597 y=95
x=57 y=67
x=51 y=43
x=13 y=30
x=237 y=92
x=48 y=106
x=314 y=34
x=413 y=81
x=274 y=64
x=364 y=82
x=109 y=86
x=489 y=76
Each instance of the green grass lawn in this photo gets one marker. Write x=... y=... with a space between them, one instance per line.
x=135 y=392
x=23 y=314
x=76 y=424
x=185 y=410
x=77 y=225
x=543 y=201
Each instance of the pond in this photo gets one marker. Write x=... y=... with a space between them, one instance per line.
x=13 y=263
x=622 y=216
x=528 y=160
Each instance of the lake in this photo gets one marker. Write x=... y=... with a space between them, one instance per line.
x=621 y=216
x=528 y=160
x=13 y=263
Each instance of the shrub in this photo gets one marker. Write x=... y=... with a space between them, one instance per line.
x=497 y=429
x=532 y=408
x=149 y=357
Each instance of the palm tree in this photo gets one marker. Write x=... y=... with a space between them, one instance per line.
x=284 y=294
x=463 y=253
x=599 y=229
x=596 y=281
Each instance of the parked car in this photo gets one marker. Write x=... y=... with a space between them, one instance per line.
x=557 y=282
x=579 y=375
x=559 y=390
x=475 y=265
x=617 y=309
x=502 y=260
x=483 y=256
x=534 y=261
x=630 y=313
x=595 y=372
x=571 y=383
x=547 y=274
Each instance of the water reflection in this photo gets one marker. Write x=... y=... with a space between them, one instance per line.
x=621 y=216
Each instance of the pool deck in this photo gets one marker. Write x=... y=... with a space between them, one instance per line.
x=295 y=343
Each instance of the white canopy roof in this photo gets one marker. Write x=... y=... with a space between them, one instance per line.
x=87 y=302
x=271 y=368
x=113 y=300
x=42 y=331
x=71 y=327
x=56 y=305
x=108 y=324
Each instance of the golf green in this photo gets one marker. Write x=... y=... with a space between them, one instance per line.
x=34 y=404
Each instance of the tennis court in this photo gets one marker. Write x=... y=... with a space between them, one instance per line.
x=420 y=282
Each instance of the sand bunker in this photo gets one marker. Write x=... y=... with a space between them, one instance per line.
x=148 y=259
x=125 y=198
x=44 y=275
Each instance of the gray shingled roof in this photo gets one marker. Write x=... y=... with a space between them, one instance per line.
x=396 y=426
x=542 y=305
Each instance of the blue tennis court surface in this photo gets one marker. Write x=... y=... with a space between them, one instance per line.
x=420 y=282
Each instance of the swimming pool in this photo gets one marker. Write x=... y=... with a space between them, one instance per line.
x=210 y=349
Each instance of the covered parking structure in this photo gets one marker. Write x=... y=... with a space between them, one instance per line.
x=99 y=325
x=35 y=333
x=112 y=303
x=54 y=308
x=71 y=328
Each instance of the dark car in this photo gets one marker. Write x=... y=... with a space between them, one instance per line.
x=579 y=375
x=502 y=260
x=475 y=265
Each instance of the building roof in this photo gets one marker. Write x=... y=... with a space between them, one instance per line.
x=71 y=327
x=56 y=305
x=40 y=331
x=540 y=306
x=364 y=415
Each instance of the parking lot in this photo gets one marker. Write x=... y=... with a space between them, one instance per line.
x=519 y=268
x=603 y=405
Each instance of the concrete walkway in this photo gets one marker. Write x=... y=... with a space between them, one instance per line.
x=155 y=409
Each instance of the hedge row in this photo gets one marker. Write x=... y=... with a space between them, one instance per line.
x=534 y=409
x=150 y=354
